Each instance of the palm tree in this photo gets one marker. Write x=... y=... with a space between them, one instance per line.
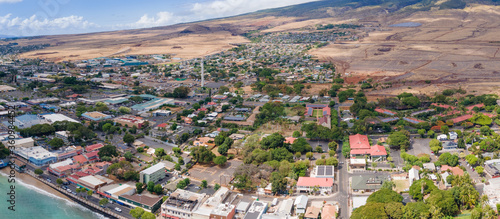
x=103 y=202
x=77 y=190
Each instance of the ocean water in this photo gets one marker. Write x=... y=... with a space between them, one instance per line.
x=32 y=202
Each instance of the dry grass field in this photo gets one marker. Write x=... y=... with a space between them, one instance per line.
x=451 y=49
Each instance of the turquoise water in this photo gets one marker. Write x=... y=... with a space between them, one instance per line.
x=32 y=202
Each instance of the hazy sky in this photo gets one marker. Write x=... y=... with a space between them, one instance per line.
x=45 y=17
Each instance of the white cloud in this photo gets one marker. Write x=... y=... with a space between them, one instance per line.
x=161 y=18
x=221 y=8
x=35 y=26
x=10 y=1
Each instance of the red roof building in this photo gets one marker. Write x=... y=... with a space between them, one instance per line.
x=290 y=140
x=359 y=141
x=163 y=125
x=454 y=170
x=442 y=105
x=308 y=184
x=461 y=119
x=80 y=159
x=481 y=105
x=385 y=111
x=94 y=147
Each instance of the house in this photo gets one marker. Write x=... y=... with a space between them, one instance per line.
x=329 y=212
x=450 y=145
x=442 y=137
x=301 y=204
x=290 y=140
x=203 y=141
x=357 y=164
x=492 y=168
x=429 y=166
x=325 y=121
x=385 y=111
x=413 y=175
x=309 y=184
x=312 y=212
x=453 y=135
x=454 y=170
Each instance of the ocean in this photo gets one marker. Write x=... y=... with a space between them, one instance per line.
x=32 y=202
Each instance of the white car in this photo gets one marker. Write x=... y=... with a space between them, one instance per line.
x=117 y=209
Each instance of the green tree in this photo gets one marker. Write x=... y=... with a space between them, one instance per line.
x=296 y=134
x=445 y=129
x=128 y=155
x=444 y=203
x=279 y=183
x=139 y=187
x=435 y=145
x=388 y=185
x=394 y=209
x=220 y=160
x=202 y=154
x=309 y=155
x=89 y=193
x=151 y=186
x=385 y=196
x=399 y=140
x=59 y=181
x=416 y=188
x=136 y=212
x=158 y=189
x=416 y=210
x=217 y=186
x=274 y=140
x=449 y=159
x=480 y=170
x=370 y=211
x=38 y=172
x=148 y=215
x=421 y=132
x=204 y=184
x=56 y=143
x=128 y=138
x=103 y=202
x=124 y=110
x=108 y=151
x=300 y=145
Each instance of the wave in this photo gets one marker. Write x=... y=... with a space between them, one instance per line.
x=43 y=192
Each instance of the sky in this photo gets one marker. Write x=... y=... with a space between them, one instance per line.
x=50 y=17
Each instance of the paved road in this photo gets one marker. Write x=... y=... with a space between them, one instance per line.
x=342 y=196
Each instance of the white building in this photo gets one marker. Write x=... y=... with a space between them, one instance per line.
x=301 y=204
x=181 y=204
x=413 y=175
x=23 y=142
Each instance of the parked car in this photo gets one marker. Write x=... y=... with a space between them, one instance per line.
x=117 y=209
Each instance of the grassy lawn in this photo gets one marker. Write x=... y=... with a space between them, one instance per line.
x=465 y=214
x=317 y=113
x=401 y=185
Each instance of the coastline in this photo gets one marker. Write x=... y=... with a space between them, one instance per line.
x=29 y=180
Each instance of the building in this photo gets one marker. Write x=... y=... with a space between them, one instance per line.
x=94 y=147
x=454 y=170
x=429 y=166
x=152 y=104
x=130 y=121
x=154 y=173
x=181 y=204
x=412 y=120
x=162 y=113
x=114 y=191
x=256 y=210
x=96 y=116
x=323 y=171
x=151 y=204
x=242 y=207
x=36 y=155
x=492 y=168
x=385 y=111
x=492 y=190
x=360 y=147
x=6 y=88
x=309 y=184
x=357 y=164
x=92 y=182
x=63 y=168
x=329 y=212
x=223 y=211
x=64 y=135
x=301 y=204
x=56 y=117
x=413 y=175
x=205 y=209
x=21 y=143
x=312 y=213
x=367 y=183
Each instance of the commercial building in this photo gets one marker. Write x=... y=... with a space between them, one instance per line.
x=62 y=168
x=153 y=173
x=130 y=121
x=162 y=113
x=114 y=191
x=205 y=209
x=223 y=211
x=367 y=183
x=96 y=116
x=284 y=210
x=357 y=164
x=256 y=210
x=492 y=190
x=153 y=104
x=151 y=204
x=94 y=147
x=360 y=147
x=323 y=171
x=181 y=204
x=23 y=142
x=93 y=182
x=56 y=117
x=309 y=184
x=36 y=155
x=64 y=135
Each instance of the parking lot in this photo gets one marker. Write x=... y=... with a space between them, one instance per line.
x=419 y=146
x=215 y=174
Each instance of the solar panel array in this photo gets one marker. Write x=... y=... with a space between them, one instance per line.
x=325 y=171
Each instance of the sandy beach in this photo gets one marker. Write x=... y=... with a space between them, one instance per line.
x=27 y=179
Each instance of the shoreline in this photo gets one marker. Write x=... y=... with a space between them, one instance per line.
x=30 y=181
